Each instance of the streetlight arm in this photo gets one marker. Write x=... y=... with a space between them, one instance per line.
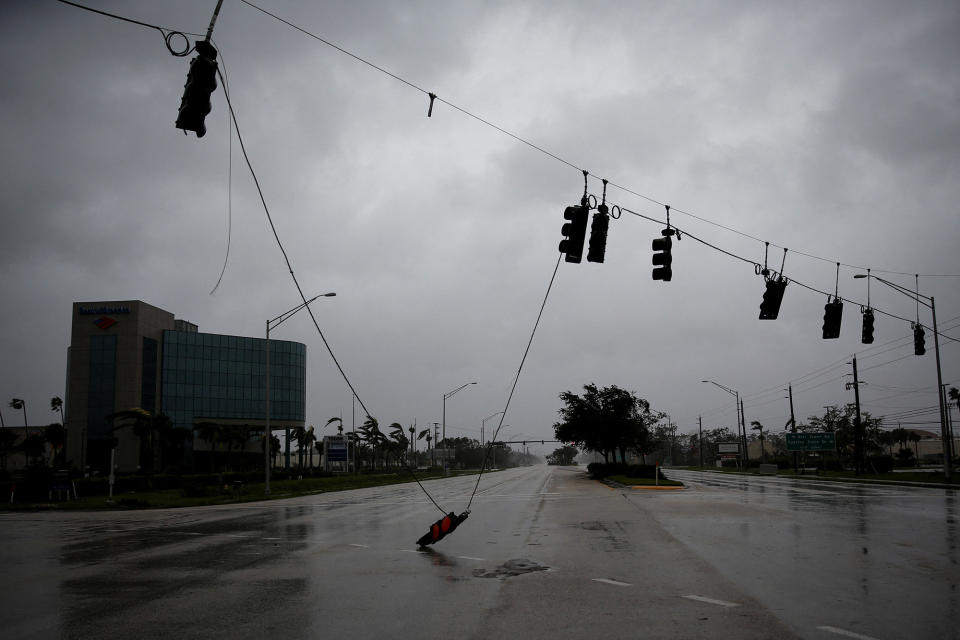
x=727 y=389
x=919 y=297
x=461 y=387
x=283 y=317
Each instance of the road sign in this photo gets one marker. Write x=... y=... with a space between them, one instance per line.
x=728 y=447
x=812 y=441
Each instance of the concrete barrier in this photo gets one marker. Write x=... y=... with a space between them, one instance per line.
x=768 y=469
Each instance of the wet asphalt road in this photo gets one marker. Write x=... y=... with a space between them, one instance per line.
x=545 y=553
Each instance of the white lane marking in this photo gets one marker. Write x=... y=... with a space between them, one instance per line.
x=615 y=583
x=408 y=551
x=844 y=632
x=362 y=546
x=722 y=603
x=273 y=538
x=472 y=558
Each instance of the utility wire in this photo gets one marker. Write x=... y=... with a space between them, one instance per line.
x=516 y=379
x=293 y=276
x=556 y=157
x=168 y=34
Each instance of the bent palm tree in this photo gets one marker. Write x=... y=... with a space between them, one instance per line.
x=17 y=403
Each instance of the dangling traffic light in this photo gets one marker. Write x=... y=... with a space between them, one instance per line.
x=867 y=335
x=442 y=527
x=832 y=315
x=598 y=235
x=575 y=232
x=661 y=257
x=201 y=81
x=772 y=297
x=918 y=340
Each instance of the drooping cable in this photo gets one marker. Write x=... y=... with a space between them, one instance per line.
x=293 y=276
x=516 y=379
x=226 y=258
x=168 y=34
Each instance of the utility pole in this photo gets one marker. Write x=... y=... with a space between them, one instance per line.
x=743 y=427
x=793 y=427
x=857 y=426
x=700 y=443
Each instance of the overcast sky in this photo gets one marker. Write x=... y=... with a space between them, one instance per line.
x=831 y=128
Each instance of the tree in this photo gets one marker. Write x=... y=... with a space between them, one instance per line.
x=371 y=435
x=563 y=455
x=17 y=403
x=756 y=426
x=915 y=439
x=339 y=421
x=607 y=420
x=56 y=404
x=400 y=443
x=56 y=435
x=428 y=435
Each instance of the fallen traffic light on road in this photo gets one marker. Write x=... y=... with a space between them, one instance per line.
x=442 y=527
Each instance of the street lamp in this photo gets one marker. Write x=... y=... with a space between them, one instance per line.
x=483 y=423
x=922 y=299
x=273 y=324
x=742 y=431
x=445 y=396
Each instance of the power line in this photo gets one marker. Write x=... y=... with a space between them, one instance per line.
x=556 y=157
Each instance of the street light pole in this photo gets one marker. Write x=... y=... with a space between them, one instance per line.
x=273 y=324
x=445 y=396
x=922 y=299
x=742 y=432
x=483 y=424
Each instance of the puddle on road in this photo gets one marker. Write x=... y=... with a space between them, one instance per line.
x=511 y=568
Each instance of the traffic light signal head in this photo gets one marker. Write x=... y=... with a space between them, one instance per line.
x=919 y=347
x=867 y=335
x=832 y=314
x=598 y=235
x=772 y=297
x=442 y=527
x=201 y=81
x=575 y=231
x=662 y=259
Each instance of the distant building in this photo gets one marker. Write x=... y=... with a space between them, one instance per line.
x=131 y=355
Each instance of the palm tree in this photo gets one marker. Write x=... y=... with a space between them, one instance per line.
x=426 y=433
x=756 y=426
x=339 y=422
x=311 y=439
x=413 y=442
x=17 y=403
x=56 y=404
x=370 y=433
x=400 y=443
x=56 y=435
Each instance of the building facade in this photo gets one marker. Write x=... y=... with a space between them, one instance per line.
x=127 y=355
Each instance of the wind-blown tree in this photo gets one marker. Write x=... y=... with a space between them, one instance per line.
x=18 y=404
x=399 y=444
x=371 y=435
x=56 y=404
x=563 y=455
x=428 y=435
x=338 y=421
x=607 y=420
x=56 y=435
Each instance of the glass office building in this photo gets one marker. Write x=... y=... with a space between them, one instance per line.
x=211 y=376
x=129 y=354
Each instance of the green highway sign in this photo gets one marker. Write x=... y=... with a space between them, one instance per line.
x=815 y=441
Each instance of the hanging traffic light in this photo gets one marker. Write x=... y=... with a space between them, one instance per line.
x=918 y=340
x=598 y=235
x=867 y=335
x=442 y=527
x=832 y=314
x=575 y=232
x=772 y=297
x=201 y=81
x=661 y=257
